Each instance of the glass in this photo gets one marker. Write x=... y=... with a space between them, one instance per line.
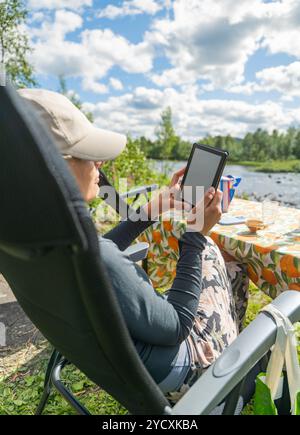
x=269 y=211
x=254 y=219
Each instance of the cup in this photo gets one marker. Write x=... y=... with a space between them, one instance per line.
x=228 y=184
x=254 y=219
x=269 y=211
x=255 y=225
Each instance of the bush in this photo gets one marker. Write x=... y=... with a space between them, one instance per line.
x=133 y=165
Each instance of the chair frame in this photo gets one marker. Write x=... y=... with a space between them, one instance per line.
x=57 y=362
x=68 y=235
x=224 y=378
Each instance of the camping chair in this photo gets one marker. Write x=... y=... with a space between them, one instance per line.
x=49 y=255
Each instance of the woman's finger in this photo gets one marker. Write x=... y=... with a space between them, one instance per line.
x=209 y=196
x=177 y=175
x=179 y=172
x=216 y=201
x=205 y=202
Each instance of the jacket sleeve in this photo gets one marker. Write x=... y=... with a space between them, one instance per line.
x=151 y=317
x=127 y=231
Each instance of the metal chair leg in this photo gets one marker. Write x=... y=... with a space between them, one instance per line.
x=232 y=401
x=55 y=357
x=56 y=381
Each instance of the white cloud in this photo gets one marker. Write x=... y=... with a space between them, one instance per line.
x=194 y=117
x=282 y=29
x=64 y=22
x=36 y=17
x=116 y=84
x=130 y=7
x=58 y=4
x=132 y=58
x=284 y=79
x=209 y=40
x=91 y=58
x=220 y=38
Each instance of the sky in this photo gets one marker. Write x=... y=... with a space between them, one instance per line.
x=223 y=66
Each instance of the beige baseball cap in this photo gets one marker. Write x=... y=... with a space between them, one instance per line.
x=73 y=133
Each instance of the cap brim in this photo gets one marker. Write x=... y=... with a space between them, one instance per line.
x=99 y=145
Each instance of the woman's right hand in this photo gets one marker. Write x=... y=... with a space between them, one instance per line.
x=207 y=213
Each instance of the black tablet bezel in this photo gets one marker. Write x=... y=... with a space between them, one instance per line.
x=224 y=155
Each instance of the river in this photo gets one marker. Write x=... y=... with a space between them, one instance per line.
x=282 y=187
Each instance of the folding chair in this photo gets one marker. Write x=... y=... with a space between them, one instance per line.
x=49 y=255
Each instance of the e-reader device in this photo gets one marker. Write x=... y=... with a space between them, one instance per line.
x=204 y=169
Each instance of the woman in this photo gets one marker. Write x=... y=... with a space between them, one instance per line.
x=179 y=334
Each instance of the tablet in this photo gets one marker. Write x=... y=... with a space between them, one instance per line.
x=204 y=169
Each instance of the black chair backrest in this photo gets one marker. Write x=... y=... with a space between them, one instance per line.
x=49 y=255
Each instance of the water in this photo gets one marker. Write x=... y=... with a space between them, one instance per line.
x=282 y=187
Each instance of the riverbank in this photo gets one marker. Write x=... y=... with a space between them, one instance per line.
x=256 y=185
x=274 y=166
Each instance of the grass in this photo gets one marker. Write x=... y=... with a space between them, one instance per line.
x=272 y=166
x=21 y=391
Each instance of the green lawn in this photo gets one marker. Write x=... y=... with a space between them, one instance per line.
x=20 y=393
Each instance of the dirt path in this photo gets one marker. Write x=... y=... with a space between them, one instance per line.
x=20 y=341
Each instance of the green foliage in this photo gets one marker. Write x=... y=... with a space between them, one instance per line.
x=256 y=147
x=167 y=140
x=20 y=394
x=168 y=144
x=133 y=165
x=14 y=46
x=278 y=166
x=257 y=301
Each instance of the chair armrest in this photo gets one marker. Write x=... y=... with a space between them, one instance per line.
x=139 y=190
x=237 y=360
x=118 y=202
x=138 y=251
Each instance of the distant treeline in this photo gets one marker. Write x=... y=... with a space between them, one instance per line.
x=258 y=146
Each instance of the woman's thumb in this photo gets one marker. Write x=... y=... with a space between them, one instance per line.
x=209 y=196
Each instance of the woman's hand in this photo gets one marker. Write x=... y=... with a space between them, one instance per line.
x=176 y=178
x=166 y=198
x=206 y=213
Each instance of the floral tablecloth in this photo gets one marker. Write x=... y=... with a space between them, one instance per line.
x=272 y=255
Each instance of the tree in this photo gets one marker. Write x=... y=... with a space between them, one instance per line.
x=146 y=146
x=166 y=136
x=14 y=46
x=297 y=145
x=63 y=89
x=181 y=150
x=133 y=165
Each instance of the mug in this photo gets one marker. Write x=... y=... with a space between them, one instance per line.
x=228 y=184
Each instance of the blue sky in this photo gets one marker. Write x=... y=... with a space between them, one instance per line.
x=224 y=67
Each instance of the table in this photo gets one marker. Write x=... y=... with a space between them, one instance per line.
x=272 y=255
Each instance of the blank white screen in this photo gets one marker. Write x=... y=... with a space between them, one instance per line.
x=201 y=172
